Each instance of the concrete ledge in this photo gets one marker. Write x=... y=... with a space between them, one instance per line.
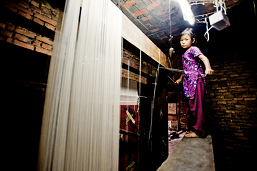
x=191 y=154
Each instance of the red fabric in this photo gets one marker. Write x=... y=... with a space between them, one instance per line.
x=130 y=126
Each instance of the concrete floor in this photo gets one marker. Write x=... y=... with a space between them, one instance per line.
x=191 y=154
x=174 y=142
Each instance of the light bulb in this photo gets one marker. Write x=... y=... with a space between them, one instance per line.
x=187 y=12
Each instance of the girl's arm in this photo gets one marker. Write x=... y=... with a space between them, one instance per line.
x=179 y=80
x=208 y=70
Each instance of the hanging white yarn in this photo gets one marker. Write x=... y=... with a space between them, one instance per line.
x=80 y=128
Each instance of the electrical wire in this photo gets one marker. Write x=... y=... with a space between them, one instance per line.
x=206 y=34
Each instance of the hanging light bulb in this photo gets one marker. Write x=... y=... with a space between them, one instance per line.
x=171 y=51
x=187 y=12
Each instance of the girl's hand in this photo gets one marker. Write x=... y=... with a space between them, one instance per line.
x=178 y=81
x=209 y=71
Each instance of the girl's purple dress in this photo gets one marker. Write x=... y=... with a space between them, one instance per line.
x=193 y=86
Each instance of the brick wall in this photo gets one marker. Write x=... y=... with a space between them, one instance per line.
x=27 y=29
x=31 y=13
x=133 y=61
x=232 y=110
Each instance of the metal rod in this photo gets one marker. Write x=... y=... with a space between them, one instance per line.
x=171 y=79
x=173 y=69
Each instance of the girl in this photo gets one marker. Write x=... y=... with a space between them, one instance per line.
x=193 y=83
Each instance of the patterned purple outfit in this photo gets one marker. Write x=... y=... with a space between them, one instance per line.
x=194 y=90
x=191 y=69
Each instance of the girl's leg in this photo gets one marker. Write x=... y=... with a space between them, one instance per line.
x=199 y=116
x=194 y=109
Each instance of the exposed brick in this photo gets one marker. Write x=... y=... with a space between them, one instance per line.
x=249 y=85
x=36 y=20
x=24 y=15
x=55 y=18
x=241 y=89
x=246 y=95
x=11 y=8
x=36 y=9
x=129 y=3
x=236 y=86
x=174 y=29
x=149 y=25
x=163 y=12
x=1 y=38
x=21 y=38
x=45 y=40
x=46 y=46
x=21 y=44
x=46 y=11
x=36 y=43
x=154 y=5
x=165 y=19
x=240 y=106
x=220 y=97
x=10 y=27
x=239 y=134
x=146 y=18
x=221 y=102
x=49 y=26
x=164 y=37
x=19 y=7
x=243 y=138
x=234 y=75
x=155 y=30
x=2 y=25
x=24 y=32
x=141 y=12
x=6 y=33
x=250 y=98
x=26 y=11
x=24 y=4
x=238 y=98
x=50 y=21
x=35 y=3
x=41 y=50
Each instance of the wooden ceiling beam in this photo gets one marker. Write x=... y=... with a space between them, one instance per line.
x=135 y=36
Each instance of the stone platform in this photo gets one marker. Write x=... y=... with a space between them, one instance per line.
x=191 y=154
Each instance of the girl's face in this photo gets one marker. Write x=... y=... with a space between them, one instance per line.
x=186 y=41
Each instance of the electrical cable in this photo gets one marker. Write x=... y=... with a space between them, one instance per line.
x=206 y=34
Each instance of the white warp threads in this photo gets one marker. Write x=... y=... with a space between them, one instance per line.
x=80 y=129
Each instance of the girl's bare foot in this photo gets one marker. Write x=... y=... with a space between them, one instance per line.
x=188 y=132
x=192 y=135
